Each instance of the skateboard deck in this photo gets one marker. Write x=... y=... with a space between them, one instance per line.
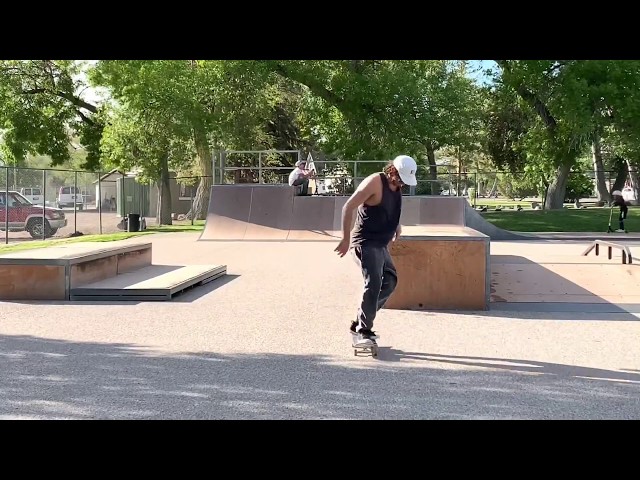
x=371 y=349
x=365 y=349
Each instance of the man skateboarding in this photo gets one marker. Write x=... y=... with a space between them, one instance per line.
x=378 y=200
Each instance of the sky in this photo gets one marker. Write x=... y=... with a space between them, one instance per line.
x=477 y=70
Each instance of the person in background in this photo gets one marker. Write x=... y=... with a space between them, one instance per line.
x=299 y=177
x=619 y=201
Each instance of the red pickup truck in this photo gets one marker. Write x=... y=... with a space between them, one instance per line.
x=25 y=216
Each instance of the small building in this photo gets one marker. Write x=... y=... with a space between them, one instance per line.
x=138 y=197
x=106 y=189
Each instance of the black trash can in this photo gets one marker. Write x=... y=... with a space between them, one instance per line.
x=133 y=222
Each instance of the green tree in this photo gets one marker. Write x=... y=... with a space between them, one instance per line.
x=147 y=142
x=41 y=109
x=222 y=102
x=375 y=109
x=561 y=130
x=578 y=104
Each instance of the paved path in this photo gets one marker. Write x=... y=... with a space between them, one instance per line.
x=270 y=342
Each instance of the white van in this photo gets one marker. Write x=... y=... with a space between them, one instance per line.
x=67 y=196
x=33 y=194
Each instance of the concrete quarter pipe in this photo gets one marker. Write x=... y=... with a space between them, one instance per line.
x=271 y=213
x=255 y=212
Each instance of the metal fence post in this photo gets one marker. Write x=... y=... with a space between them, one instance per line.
x=223 y=159
x=6 y=207
x=44 y=203
x=75 y=201
x=192 y=212
x=100 y=203
x=355 y=174
x=213 y=169
x=123 y=202
x=475 y=188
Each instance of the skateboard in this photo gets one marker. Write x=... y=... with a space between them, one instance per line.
x=364 y=349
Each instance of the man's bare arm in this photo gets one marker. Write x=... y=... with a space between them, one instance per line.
x=363 y=193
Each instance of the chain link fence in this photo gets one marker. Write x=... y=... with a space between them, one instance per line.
x=335 y=177
x=42 y=204
x=37 y=204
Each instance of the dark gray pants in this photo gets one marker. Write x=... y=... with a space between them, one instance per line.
x=303 y=183
x=380 y=280
x=621 y=218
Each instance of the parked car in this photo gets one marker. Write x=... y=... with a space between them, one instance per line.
x=67 y=196
x=34 y=195
x=25 y=216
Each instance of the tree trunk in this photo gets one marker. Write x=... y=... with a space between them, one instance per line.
x=621 y=174
x=598 y=168
x=163 y=216
x=558 y=188
x=434 y=188
x=205 y=167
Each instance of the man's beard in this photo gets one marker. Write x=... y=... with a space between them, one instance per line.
x=396 y=182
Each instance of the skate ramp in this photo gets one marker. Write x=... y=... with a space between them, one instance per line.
x=476 y=221
x=272 y=213
x=314 y=219
x=438 y=210
x=433 y=210
x=444 y=210
x=410 y=211
x=228 y=215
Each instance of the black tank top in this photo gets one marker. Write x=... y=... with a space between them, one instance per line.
x=376 y=225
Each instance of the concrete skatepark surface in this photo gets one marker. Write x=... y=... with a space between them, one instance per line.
x=270 y=342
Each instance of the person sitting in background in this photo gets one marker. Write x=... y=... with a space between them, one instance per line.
x=299 y=177
x=619 y=201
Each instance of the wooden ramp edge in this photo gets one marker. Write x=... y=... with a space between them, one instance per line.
x=152 y=283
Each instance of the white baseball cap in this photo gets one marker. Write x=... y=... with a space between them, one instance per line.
x=616 y=192
x=407 y=168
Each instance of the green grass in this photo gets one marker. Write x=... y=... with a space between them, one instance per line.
x=198 y=226
x=568 y=220
x=494 y=202
x=107 y=237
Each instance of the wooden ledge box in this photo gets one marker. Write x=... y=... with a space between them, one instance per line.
x=441 y=268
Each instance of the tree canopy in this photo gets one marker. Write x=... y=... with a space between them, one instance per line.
x=538 y=120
